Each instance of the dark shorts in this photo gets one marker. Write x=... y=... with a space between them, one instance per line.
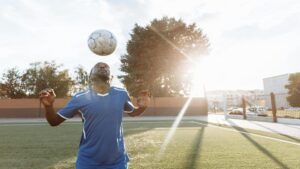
x=118 y=166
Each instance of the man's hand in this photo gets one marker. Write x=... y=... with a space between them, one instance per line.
x=143 y=99
x=47 y=97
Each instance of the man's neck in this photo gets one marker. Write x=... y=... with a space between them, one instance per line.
x=101 y=88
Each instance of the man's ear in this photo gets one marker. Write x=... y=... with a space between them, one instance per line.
x=111 y=78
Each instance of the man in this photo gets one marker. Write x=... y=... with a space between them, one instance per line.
x=101 y=108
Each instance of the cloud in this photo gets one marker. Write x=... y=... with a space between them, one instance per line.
x=240 y=32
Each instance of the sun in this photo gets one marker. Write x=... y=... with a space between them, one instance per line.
x=203 y=75
x=199 y=72
x=198 y=84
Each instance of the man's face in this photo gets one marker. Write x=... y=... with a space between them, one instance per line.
x=101 y=71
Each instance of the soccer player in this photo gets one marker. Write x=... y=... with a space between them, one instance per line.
x=101 y=108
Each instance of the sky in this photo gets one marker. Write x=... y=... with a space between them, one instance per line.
x=249 y=39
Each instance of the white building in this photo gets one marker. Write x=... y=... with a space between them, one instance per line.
x=229 y=99
x=276 y=84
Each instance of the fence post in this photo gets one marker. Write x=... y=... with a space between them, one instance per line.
x=225 y=104
x=274 y=109
x=40 y=108
x=244 y=107
x=206 y=105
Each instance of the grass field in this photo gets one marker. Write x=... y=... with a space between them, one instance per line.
x=194 y=145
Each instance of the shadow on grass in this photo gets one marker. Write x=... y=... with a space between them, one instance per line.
x=257 y=145
x=132 y=128
x=274 y=131
x=135 y=127
x=196 y=149
x=129 y=132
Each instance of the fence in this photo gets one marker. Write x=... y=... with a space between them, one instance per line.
x=260 y=104
x=165 y=106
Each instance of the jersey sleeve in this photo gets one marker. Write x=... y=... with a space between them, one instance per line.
x=128 y=106
x=70 y=109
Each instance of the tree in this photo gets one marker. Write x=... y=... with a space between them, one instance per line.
x=294 y=90
x=81 y=79
x=12 y=86
x=156 y=55
x=47 y=75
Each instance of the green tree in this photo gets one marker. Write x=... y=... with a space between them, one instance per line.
x=156 y=56
x=47 y=75
x=294 y=90
x=12 y=86
x=81 y=79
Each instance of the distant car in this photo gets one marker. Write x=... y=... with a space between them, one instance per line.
x=256 y=111
x=236 y=111
x=260 y=111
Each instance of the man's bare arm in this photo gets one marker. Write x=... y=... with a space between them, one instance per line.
x=142 y=103
x=137 y=111
x=52 y=117
x=47 y=98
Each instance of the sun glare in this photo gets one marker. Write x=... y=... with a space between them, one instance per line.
x=200 y=77
x=198 y=90
x=206 y=74
x=198 y=85
x=174 y=126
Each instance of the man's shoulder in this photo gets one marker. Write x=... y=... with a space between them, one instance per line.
x=82 y=93
x=118 y=89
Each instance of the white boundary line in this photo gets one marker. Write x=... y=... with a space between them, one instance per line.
x=232 y=130
x=248 y=133
x=196 y=122
x=33 y=124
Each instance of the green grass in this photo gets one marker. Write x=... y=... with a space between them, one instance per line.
x=194 y=145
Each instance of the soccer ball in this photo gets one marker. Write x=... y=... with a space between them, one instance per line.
x=102 y=42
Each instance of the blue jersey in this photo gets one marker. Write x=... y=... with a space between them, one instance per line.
x=102 y=144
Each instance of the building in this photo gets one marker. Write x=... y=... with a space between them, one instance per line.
x=276 y=84
x=224 y=100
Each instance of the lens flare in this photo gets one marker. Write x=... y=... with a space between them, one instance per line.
x=195 y=86
x=174 y=126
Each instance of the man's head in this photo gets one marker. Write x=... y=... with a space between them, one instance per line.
x=100 y=73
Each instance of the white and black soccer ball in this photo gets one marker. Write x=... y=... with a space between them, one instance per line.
x=102 y=42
